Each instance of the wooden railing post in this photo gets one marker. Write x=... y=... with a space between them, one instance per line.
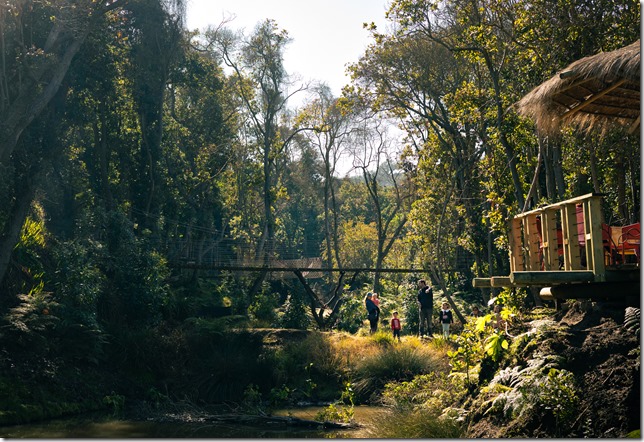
x=594 y=238
x=572 y=257
x=549 y=235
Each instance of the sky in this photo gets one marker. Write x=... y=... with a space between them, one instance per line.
x=326 y=34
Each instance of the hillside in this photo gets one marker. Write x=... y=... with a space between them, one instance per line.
x=592 y=342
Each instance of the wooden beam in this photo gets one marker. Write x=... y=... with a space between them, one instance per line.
x=635 y=125
x=546 y=294
x=599 y=291
x=550 y=277
x=576 y=200
x=479 y=283
x=593 y=98
x=255 y=268
x=501 y=281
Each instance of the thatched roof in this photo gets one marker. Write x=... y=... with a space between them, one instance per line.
x=594 y=93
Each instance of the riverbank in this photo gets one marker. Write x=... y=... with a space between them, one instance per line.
x=568 y=373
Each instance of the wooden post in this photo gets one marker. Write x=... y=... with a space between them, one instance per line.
x=572 y=257
x=594 y=239
x=549 y=235
x=531 y=241
x=516 y=254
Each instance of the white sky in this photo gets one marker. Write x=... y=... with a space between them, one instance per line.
x=326 y=34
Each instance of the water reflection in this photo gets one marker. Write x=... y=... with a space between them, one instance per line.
x=113 y=428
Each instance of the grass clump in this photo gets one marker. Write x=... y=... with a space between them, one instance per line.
x=393 y=363
x=415 y=424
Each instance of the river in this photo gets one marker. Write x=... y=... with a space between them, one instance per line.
x=107 y=427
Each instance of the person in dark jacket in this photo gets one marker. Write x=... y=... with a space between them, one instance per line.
x=446 y=318
x=425 y=308
x=373 y=312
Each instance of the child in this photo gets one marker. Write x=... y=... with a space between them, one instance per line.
x=445 y=317
x=395 y=326
x=376 y=299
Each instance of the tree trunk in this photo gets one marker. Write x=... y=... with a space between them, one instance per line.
x=18 y=214
x=30 y=103
x=593 y=169
x=558 y=169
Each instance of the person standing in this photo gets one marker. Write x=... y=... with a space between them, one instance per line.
x=446 y=319
x=425 y=308
x=373 y=312
x=396 y=326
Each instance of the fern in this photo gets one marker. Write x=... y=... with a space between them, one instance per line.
x=632 y=320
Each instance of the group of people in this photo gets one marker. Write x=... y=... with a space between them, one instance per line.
x=425 y=299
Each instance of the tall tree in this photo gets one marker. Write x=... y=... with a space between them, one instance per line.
x=39 y=43
x=389 y=191
x=262 y=85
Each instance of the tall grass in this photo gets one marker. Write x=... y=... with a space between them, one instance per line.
x=399 y=362
x=417 y=424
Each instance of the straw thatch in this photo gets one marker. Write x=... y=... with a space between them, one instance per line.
x=594 y=93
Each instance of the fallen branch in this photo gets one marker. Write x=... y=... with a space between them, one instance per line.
x=276 y=421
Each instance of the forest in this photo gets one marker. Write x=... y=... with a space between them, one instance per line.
x=151 y=176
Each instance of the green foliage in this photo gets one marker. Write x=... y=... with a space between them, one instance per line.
x=556 y=392
x=252 y=399
x=468 y=350
x=137 y=275
x=29 y=252
x=352 y=313
x=383 y=338
x=410 y=309
x=335 y=413
x=116 y=402
x=495 y=344
x=31 y=325
x=263 y=305
x=294 y=314
x=512 y=298
x=481 y=342
x=279 y=396
x=434 y=390
x=341 y=410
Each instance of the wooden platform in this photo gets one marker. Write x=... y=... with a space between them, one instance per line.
x=567 y=248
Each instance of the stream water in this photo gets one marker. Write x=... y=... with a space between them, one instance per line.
x=106 y=427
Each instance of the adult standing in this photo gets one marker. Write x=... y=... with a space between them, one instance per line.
x=373 y=312
x=425 y=307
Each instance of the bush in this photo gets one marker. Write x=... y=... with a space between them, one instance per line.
x=295 y=314
x=410 y=311
x=263 y=306
x=352 y=314
x=435 y=390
